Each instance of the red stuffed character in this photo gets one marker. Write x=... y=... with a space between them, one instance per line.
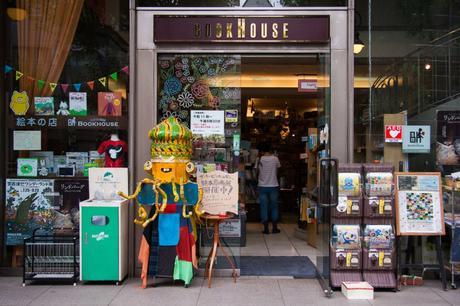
x=115 y=150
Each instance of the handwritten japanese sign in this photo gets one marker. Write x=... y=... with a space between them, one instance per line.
x=220 y=192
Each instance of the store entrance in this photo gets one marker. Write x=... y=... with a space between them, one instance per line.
x=280 y=97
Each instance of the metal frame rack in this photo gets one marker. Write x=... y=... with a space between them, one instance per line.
x=51 y=257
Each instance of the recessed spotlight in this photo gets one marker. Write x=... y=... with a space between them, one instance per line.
x=427 y=66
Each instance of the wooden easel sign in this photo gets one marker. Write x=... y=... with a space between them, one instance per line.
x=419 y=208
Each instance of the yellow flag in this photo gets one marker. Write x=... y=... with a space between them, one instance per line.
x=53 y=86
x=103 y=81
x=18 y=75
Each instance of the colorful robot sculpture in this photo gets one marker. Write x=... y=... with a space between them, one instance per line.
x=168 y=243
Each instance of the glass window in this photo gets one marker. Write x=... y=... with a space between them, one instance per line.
x=66 y=88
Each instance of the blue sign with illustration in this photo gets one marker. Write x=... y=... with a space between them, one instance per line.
x=416 y=139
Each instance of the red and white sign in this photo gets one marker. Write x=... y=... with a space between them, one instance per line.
x=393 y=133
x=307 y=85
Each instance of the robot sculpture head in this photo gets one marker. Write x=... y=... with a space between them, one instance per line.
x=171 y=151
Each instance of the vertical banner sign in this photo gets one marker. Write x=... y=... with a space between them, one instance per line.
x=448 y=138
x=416 y=139
x=393 y=133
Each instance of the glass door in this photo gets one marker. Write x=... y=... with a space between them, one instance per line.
x=324 y=205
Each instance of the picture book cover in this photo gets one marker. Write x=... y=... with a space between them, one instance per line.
x=78 y=104
x=44 y=106
x=109 y=104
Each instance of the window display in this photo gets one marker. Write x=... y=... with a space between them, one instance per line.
x=52 y=79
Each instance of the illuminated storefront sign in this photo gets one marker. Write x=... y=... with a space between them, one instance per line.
x=295 y=29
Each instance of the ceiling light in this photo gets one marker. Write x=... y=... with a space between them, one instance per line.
x=358 y=44
x=427 y=66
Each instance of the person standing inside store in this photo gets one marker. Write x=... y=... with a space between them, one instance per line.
x=268 y=187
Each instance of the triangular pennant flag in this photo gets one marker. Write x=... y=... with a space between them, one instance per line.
x=90 y=84
x=40 y=84
x=103 y=81
x=125 y=69
x=114 y=76
x=8 y=69
x=77 y=86
x=18 y=75
x=64 y=87
x=53 y=86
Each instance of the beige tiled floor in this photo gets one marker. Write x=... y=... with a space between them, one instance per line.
x=282 y=244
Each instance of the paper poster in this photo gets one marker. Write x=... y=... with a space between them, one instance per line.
x=27 y=140
x=448 y=137
x=416 y=139
x=78 y=104
x=109 y=104
x=44 y=106
x=71 y=193
x=207 y=123
x=105 y=183
x=349 y=184
x=230 y=228
x=220 y=192
x=419 y=204
x=27 y=166
x=29 y=205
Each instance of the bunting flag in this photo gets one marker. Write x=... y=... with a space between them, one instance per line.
x=77 y=86
x=18 y=75
x=40 y=84
x=64 y=87
x=103 y=81
x=8 y=69
x=53 y=86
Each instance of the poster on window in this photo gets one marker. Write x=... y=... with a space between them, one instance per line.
x=208 y=125
x=29 y=205
x=419 y=209
x=448 y=138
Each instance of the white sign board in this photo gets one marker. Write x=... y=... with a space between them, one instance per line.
x=220 y=192
x=206 y=123
x=416 y=139
x=104 y=183
x=27 y=140
x=230 y=228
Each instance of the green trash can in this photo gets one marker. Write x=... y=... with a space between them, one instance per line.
x=103 y=240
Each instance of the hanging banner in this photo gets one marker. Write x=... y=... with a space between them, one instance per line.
x=40 y=84
x=103 y=81
x=77 y=86
x=8 y=69
x=90 y=84
x=64 y=87
x=18 y=75
x=53 y=86
x=448 y=138
x=125 y=69
x=114 y=76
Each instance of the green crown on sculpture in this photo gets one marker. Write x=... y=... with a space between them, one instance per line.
x=171 y=140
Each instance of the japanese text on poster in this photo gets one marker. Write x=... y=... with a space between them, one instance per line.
x=207 y=123
x=220 y=192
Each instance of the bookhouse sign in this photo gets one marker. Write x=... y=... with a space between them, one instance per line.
x=293 y=29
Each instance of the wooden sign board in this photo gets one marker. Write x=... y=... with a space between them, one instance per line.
x=220 y=192
x=419 y=207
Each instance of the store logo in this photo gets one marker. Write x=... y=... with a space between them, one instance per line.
x=416 y=136
x=101 y=236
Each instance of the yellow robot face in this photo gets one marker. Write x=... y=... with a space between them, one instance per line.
x=169 y=171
